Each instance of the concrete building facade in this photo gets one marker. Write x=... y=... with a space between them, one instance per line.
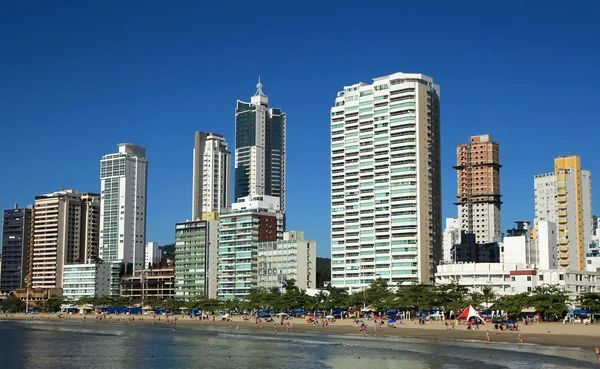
x=196 y=258
x=252 y=220
x=386 y=181
x=86 y=280
x=123 y=181
x=478 y=166
x=14 y=265
x=564 y=198
x=63 y=233
x=149 y=284
x=211 y=190
x=291 y=258
x=260 y=148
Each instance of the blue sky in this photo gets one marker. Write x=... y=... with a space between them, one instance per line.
x=76 y=78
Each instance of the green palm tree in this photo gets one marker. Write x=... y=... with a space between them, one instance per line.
x=489 y=296
x=289 y=285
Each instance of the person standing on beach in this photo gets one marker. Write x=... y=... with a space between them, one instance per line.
x=487 y=336
x=597 y=351
x=520 y=338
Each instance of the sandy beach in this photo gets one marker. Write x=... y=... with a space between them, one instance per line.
x=549 y=334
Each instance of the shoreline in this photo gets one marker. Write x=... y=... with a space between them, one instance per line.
x=545 y=334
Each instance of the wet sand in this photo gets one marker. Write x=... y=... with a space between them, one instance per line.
x=549 y=334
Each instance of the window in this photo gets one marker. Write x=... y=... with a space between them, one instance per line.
x=561 y=277
x=512 y=279
x=541 y=278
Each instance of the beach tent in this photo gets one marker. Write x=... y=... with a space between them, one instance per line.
x=469 y=313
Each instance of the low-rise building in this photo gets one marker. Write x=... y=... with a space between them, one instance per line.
x=86 y=280
x=510 y=279
x=290 y=258
x=149 y=284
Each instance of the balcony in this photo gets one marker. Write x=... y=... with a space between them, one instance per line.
x=564 y=263
x=562 y=207
x=564 y=249
x=563 y=242
x=562 y=214
x=563 y=256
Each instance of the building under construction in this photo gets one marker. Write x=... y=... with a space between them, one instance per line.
x=478 y=165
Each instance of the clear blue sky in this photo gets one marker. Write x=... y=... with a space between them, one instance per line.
x=76 y=78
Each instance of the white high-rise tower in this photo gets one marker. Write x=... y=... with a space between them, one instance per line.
x=386 y=215
x=212 y=175
x=123 y=206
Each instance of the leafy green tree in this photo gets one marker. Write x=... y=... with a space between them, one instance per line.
x=591 y=301
x=377 y=293
x=550 y=301
x=513 y=304
x=211 y=305
x=13 y=305
x=416 y=296
x=451 y=297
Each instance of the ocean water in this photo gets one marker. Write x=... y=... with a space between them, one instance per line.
x=39 y=344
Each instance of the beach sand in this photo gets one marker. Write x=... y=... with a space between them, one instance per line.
x=549 y=334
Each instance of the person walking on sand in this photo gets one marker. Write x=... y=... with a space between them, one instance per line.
x=487 y=336
x=597 y=352
x=520 y=338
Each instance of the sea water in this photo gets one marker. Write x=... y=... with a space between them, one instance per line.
x=42 y=344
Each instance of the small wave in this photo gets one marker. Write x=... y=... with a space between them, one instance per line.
x=270 y=338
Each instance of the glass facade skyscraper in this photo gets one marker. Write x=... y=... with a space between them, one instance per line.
x=260 y=148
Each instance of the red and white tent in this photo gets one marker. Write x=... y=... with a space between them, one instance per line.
x=469 y=313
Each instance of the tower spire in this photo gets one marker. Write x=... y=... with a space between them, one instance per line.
x=259 y=86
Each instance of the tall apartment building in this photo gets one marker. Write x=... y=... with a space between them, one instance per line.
x=63 y=233
x=478 y=165
x=291 y=258
x=123 y=181
x=253 y=219
x=386 y=181
x=90 y=227
x=212 y=175
x=196 y=258
x=16 y=229
x=564 y=197
x=450 y=237
x=260 y=161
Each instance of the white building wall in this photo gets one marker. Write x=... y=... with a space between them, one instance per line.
x=152 y=254
x=451 y=237
x=211 y=175
x=546 y=244
x=86 y=280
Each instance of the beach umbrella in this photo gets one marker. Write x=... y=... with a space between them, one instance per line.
x=392 y=321
x=330 y=317
x=282 y=314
